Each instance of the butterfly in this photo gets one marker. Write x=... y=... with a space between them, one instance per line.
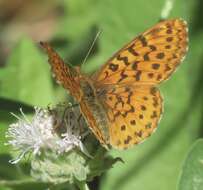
x=121 y=102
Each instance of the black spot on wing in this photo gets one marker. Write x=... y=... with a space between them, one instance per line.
x=124 y=59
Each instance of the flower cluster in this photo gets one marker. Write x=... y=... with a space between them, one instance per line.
x=58 y=129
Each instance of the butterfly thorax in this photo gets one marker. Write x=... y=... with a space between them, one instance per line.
x=96 y=115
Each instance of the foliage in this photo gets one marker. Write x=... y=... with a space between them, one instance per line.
x=192 y=172
x=25 y=80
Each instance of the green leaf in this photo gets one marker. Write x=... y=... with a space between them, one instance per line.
x=26 y=77
x=192 y=171
x=101 y=163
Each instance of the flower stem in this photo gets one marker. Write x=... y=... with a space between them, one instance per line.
x=82 y=185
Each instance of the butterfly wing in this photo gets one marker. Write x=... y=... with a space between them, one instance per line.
x=148 y=59
x=65 y=75
x=132 y=102
x=133 y=113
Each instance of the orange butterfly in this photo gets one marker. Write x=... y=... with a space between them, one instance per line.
x=121 y=102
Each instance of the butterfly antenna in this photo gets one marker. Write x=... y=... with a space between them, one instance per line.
x=91 y=47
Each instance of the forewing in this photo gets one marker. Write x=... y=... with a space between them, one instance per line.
x=150 y=58
x=133 y=112
x=61 y=71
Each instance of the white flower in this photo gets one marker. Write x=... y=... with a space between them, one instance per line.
x=44 y=131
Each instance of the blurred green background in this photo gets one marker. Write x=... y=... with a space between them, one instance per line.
x=70 y=26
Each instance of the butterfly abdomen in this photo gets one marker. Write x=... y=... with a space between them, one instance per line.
x=95 y=108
